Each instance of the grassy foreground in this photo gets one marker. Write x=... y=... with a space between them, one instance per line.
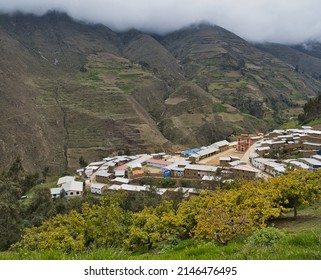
x=301 y=240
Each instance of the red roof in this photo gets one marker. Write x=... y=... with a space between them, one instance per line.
x=158 y=161
x=121 y=167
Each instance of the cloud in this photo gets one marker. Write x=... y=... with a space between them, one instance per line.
x=283 y=21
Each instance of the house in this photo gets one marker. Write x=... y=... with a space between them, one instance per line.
x=157 y=163
x=120 y=181
x=245 y=172
x=260 y=162
x=317 y=157
x=90 y=170
x=128 y=188
x=221 y=145
x=311 y=146
x=194 y=158
x=159 y=191
x=261 y=151
x=73 y=188
x=208 y=178
x=65 y=179
x=298 y=165
x=121 y=171
x=224 y=161
x=312 y=162
x=97 y=163
x=208 y=152
x=198 y=171
x=80 y=171
x=275 y=169
x=103 y=176
x=233 y=145
x=55 y=192
x=187 y=192
x=98 y=188
x=177 y=171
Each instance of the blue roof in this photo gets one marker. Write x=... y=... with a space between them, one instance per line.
x=190 y=152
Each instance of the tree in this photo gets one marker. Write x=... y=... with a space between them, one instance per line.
x=107 y=223
x=10 y=219
x=64 y=233
x=299 y=187
x=40 y=206
x=82 y=162
x=167 y=183
x=16 y=169
x=221 y=217
x=45 y=172
x=153 y=225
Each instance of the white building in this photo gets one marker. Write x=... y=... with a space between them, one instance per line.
x=98 y=188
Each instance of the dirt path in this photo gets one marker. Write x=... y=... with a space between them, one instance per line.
x=215 y=160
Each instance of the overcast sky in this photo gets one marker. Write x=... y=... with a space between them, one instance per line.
x=284 y=21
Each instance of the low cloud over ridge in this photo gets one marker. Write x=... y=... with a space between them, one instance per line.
x=283 y=21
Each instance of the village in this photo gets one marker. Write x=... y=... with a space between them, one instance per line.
x=251 y=157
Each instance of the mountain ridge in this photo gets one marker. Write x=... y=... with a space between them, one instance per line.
x=71 y=89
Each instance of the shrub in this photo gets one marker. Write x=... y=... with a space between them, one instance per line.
x=266 y=236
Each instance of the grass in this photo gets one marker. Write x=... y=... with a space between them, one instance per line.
x=218 y=108
x=303 y=245
x=290 y=124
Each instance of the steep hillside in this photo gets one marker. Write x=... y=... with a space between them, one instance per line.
x=239 y=74
x=300 y=60
x=66 y=92
x=71 y=89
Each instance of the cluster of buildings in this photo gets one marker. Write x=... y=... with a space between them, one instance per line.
x=117 y=172
x=198 y=154
x=302 y=145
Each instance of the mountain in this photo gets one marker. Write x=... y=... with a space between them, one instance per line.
x=302 y=58
x=71 y=89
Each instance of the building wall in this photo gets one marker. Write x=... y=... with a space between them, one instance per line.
x=243 y=142
x=102 y=179
x=243 y=174
x=73 y=193
x=191 y=173
x=175 y=173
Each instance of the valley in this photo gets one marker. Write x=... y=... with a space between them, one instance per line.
x=69 y=88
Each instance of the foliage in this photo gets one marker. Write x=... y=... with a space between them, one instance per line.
x=40 y=207
x=153 y=225
x=222 y=217
x=312 y=110
x=10 y=219
x=265 y=236
x=136 y=202
x=120 y=221
x=16 y=169
x=167 y=183
x=65 y=233
x=299 y=187
x=82 y=162
x=106 y=224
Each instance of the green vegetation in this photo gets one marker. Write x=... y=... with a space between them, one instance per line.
x=290 y=124
x=219 y=108
x=233 y=221
x=312 y=111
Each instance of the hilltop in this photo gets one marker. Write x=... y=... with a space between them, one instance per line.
x=69 y=88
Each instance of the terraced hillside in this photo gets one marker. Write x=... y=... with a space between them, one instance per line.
x=71 y=89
